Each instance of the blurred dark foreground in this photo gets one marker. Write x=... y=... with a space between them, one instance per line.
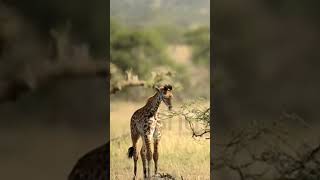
x=53 y=105
x=42 y=136
x=267 y=59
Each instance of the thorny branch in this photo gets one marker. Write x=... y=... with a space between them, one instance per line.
x=197 y=116
x=265 y=152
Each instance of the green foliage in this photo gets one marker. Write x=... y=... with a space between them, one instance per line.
x=199 y=39
x=139 y=50
x=145 y=53
x=170 y=33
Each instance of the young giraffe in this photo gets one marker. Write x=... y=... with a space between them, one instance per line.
x=144 y=123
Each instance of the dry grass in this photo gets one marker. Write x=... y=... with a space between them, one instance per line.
x=180 y=155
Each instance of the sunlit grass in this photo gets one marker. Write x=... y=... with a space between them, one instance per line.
x=180 y=155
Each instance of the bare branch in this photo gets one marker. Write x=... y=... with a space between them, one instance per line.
x=197 y=116
x=265 y=147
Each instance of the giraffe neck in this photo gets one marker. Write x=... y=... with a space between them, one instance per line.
x=153 y=104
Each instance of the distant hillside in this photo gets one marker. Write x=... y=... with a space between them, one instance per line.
x=153 y=12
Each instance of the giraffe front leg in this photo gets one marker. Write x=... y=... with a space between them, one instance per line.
x=156 y=139
x=149 y=152
x=144 y=159
x=156 y=155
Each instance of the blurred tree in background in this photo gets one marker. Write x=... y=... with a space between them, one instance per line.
x=199 y=40
x=139 y=50
x=144 y=50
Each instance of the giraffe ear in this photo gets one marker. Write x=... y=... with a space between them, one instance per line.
x=168 y=87
x=157 y=88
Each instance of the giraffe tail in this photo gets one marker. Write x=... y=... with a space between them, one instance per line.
x=130 y=152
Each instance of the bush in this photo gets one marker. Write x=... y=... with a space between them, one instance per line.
x=199 y=39
x=139 y=50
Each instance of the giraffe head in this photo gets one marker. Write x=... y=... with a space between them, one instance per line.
x=166 y=94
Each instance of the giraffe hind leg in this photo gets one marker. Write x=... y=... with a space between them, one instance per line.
x=132 y=151
x=147 y=142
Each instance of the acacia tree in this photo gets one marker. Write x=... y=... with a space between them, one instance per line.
x=196 y=114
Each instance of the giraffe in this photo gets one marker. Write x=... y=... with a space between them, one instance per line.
x=145 y=124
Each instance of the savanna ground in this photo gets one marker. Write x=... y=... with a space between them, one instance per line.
x=179 y=154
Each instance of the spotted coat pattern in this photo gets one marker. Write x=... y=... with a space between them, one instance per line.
x=146 y=125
